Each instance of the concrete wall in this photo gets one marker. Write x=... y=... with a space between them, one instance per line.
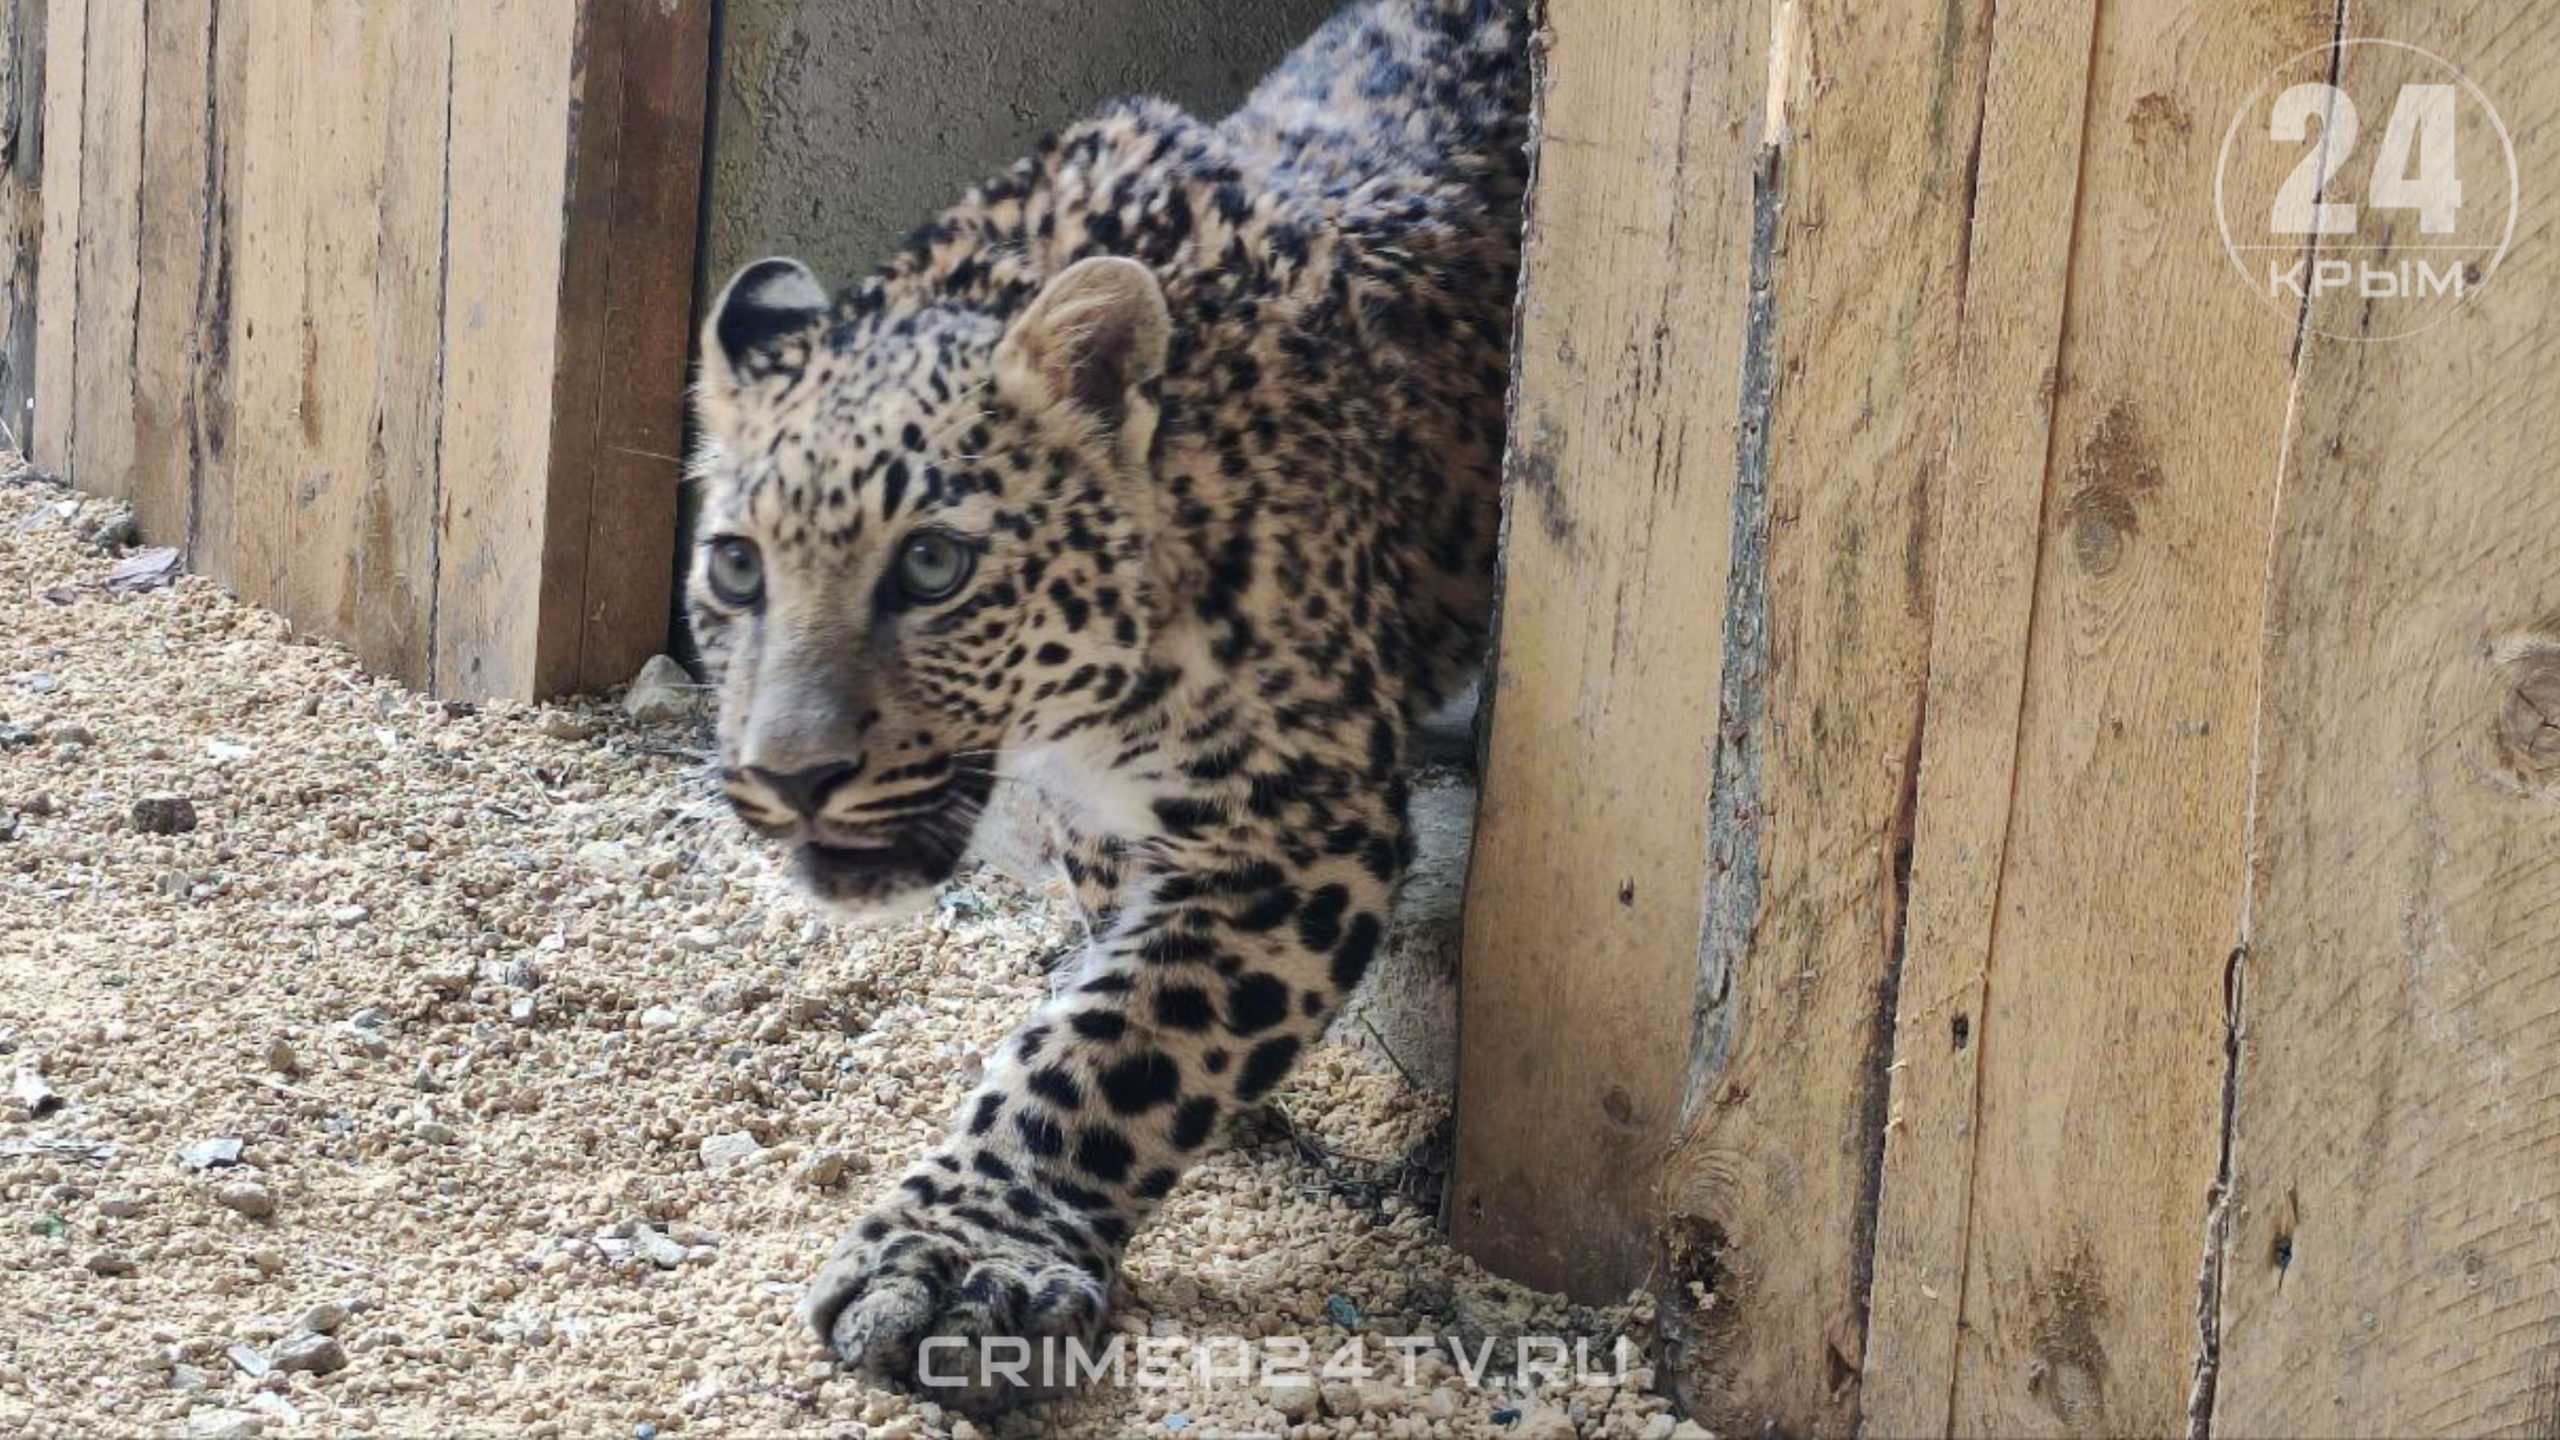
x=839 y=125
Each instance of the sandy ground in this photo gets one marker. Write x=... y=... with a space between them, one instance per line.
x=546 y=1096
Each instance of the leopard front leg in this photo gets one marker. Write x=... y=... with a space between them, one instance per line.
x=1231 y=952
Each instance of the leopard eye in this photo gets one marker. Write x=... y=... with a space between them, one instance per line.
x=736 y=571
x=932 y=566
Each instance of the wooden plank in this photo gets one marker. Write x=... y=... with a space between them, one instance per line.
x=272 y=555
x=1989 y=528
x=582 y=360
x=22 y=100
x=58 y=282
x=641 y=73
x=2083 y=1155
x=386 y=598
x=511 y=66
x=109 y=250
x=2395 y=1223
x=220 y=333
x=1771 y=1189
x=177 y=75
x=637 y=439
x=1583 y=922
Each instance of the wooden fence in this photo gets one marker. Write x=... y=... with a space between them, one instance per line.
x=2018 y=882
x=381 y=310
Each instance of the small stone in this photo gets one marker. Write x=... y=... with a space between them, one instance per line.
x=1658 y=1428
x=164 y=815
x=225 y=1425
x=1294 y=1396
x=109 y=1263
x=324 y=1318
x=123 y=1205
x=247 y=1360
x=314 y=1354
x=521 y=1009
x=1544 y=1422
x=253 y=1200
x=562 y=725
x=281 y=1057
x=72 y=736
x=216 y=1154
x=656 y=1248
x=828 y=1168
x=435 y=1132
x=661 y=1017
x=9 y=826
x=731 y=1151
x=41 y=804
x=346 y=915
x=188 y=1378
x=662 y=694
x=33 y=1095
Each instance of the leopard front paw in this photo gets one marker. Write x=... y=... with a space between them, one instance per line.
x=975 y=1315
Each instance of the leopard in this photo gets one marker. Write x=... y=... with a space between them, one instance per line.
x=1158 y=479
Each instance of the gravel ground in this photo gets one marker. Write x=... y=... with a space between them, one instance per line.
x=455 y=1070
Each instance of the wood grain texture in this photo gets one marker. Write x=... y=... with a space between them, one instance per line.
x=108 y=255
x=1865 y=290
x=512 y=63
x=625 y=311
x=2098 y=1117
x=1583 y=920
x=176 y=177
x=1989 y=537
x=50 y=435
x=2395 y=1224
x=23 y=33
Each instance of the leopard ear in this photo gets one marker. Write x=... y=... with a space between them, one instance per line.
x=1094 y=342
x=767 y=303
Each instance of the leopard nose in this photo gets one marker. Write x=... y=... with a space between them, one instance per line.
x=806 y=790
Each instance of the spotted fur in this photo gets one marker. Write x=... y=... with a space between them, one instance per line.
x=1214 y=412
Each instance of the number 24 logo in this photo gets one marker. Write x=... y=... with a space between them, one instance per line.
x=2422 y=123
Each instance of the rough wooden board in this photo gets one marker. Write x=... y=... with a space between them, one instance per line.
x=1582 y=927
x=2395 y=1226
x=178 y=41
x=57 y=284
x=638 y=436
x=1989 y=536
x=22 y=100
x=584 y=354
x=511 y=66
x=1779 y=1161
x=219 y=328
x=386 y=599
x=625 y=307
x=108 y=254
x=2097 y=1134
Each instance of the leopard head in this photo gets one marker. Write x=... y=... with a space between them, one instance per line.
x=923 y=543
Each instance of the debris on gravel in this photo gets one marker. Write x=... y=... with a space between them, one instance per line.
x=164 y=815
x=662 y=693
x=555 y=1094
